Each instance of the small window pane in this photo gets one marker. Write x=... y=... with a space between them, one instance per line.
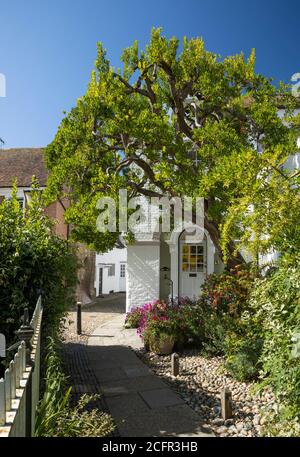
x=193 y=259
x=185 y=267
x=200 y=249
x=185 y=249
x=193 y=249
x=122 y=270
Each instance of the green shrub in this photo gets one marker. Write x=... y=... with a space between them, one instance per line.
x=229 y=291
x=214 y=333
x=274 y=315
x=56 y=417
x=244 y=363
x=224 y=297
x=32 y=261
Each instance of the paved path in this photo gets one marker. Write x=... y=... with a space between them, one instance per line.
x=140 y=402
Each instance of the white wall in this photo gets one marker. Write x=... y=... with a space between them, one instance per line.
x=115 y=256
x=143 y=274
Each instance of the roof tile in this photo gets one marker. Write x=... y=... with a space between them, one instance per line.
x=22 y=164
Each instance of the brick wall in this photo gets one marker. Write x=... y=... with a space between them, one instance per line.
x=55 y=211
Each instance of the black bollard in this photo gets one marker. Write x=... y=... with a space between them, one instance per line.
x=79 y=318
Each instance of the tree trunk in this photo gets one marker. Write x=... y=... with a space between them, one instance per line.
x=213 y=230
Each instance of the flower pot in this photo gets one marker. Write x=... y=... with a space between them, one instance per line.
x=163 y=346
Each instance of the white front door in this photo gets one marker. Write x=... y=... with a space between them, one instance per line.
x=122 y=278
x=192 y=266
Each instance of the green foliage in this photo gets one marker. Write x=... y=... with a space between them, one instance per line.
x=32 y=261
x=278 y=426
x=176 y=104
x=229 y=291
x=133 y=318
x=224 y=297
x=56 y=395
x=56 y=417
x=215 y=327
x=244 y=364
x=274 y=315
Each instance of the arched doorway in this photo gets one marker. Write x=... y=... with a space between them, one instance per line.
x=192 y=264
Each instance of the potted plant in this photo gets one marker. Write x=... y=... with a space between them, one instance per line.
x=159 y=335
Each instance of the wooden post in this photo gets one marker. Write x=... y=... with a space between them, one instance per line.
x=12 y=380
x=175 y=364
x=226 y=403
x=25 y=333
x=28 y=406
x=79 y=318
x=23 y=357
x=7 y=378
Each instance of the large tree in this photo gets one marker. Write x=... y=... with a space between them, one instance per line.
x=176 y=120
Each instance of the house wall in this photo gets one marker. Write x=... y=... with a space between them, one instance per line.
x=143 y=274
x=56 y=212
x=115 y=256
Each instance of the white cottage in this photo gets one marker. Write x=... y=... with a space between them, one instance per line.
x=111 y=271
x=161 y=265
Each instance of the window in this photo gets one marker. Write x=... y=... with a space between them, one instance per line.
x=122 y=270
x=21 y=202
x=192 y=258
x=111 y=270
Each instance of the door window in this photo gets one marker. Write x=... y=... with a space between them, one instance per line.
x=122 y=270
x=192 y=258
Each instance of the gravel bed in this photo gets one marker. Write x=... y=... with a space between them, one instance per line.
x=200 y=382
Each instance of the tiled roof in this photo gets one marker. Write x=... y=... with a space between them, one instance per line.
x=22 y=164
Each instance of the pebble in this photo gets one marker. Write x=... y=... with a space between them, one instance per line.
x=256 y=420
x=200 y=383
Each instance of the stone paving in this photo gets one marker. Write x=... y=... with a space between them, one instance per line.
x=139 y=401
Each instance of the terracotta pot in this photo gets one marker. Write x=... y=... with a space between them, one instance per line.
x=163 y=346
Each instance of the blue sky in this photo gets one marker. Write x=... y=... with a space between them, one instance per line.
x=48 y=47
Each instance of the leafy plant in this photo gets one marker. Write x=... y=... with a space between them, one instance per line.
x=224 y=297
x=33 y=260
x=133 y=317
x=77 y=421
x=229 y=291
x=244 y=364
x=56 y=395
x=274 y=316
x=157 y=323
